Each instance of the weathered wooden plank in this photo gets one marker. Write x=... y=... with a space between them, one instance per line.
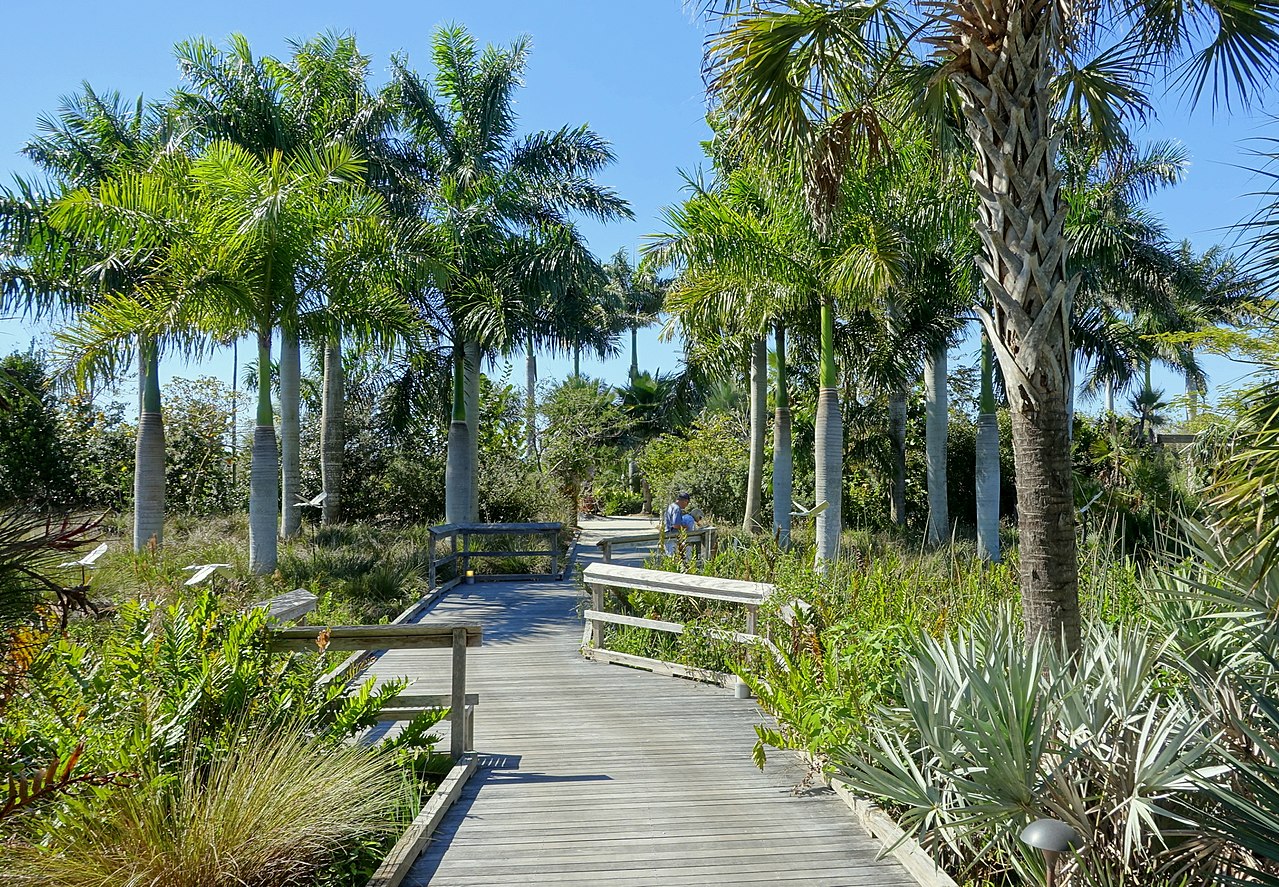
x=671 y=627
x=413 y=635
x=708 y=587
x=399 y=861
x=289 y=606
x=657 y=666
x=907 y=850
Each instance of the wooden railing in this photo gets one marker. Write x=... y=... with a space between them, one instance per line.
x=408 y=636
x=699 y=539
x=600 y=577
x=460 y=557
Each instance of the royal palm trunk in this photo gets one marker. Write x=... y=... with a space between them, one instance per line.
x=473 y=430
x=1002 y=66
x=987 y=466
x=937 y=418
x=149 y=457
x=457 y=481
x=264 y=471
x=290 y=427
x=829 y=445
x=758 y=420
x=530 y=401
x=897 y=440
x=332 y=430
x=783 y=458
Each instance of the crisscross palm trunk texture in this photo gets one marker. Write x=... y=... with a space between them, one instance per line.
x=1002 y=66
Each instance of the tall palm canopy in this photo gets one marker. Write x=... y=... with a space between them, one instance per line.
x=498 y=198
x=810 y=73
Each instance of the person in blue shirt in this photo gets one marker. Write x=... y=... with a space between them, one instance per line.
x=676 y=518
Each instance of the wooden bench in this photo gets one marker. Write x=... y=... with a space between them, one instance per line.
x=700 y=538
x=405 y=636
x=292 y=606
x=599 y=577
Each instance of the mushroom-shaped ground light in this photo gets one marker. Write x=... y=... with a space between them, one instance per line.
x=1051 y=837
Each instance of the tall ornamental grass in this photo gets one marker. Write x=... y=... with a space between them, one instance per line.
x=272 y=811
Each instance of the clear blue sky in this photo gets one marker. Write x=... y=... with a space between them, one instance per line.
x=629 y=69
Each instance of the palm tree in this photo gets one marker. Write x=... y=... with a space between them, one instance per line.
x=1018 y=70
x=271 y=217
x=641 y=293
x=91 y=138
x=489 y=190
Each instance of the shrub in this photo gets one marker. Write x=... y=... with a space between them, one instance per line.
x=711 y=462
x=271 y=810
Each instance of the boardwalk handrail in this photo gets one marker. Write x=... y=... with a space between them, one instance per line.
x=412 y=636
x=598 y=577
x=461 y=558
x=700 y=538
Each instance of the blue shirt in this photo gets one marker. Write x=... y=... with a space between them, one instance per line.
x=673 y=517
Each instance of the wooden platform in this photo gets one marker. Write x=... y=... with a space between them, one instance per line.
x=593 y=774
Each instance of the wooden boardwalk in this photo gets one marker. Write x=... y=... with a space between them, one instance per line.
x=597 y=774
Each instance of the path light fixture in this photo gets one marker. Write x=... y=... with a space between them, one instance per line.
x=1051 y=837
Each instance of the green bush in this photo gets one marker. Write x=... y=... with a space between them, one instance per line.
x=711 y=462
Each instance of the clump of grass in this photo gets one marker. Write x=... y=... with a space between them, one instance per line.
x=272 y=810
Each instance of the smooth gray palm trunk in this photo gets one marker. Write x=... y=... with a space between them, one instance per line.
x=988 y=487
x=530 y=401
x=783 y=456
x=149 y=456
x=473 y=430
x=987 y=466
x=897 y=441
x=751 y=521
x=264 y=473
x=290 y=432
x=332 y=431
x=457 y=476
x=830 y=457
x=937 y=420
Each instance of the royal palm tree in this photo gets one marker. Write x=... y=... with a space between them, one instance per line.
x=488 y=189
x=49 y=268
x=641 y=293
x=1019 y=70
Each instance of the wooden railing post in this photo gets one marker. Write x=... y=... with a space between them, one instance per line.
x=608 y=551
x=432 y=584
x=457 y=703
x=597 y=628
x=553 y=539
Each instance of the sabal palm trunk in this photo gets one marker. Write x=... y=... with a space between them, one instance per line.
x=264 y=471
x=897 y=441
x=758 y=422
x=937 y=420
x=987 y=467
x=473 y=430
x=149 y=456
x=290 y=428
x=1003 y=62
x=457 y=481
x=829 y=444
x=332 y=430
x=530 y=400
x=783 y=457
